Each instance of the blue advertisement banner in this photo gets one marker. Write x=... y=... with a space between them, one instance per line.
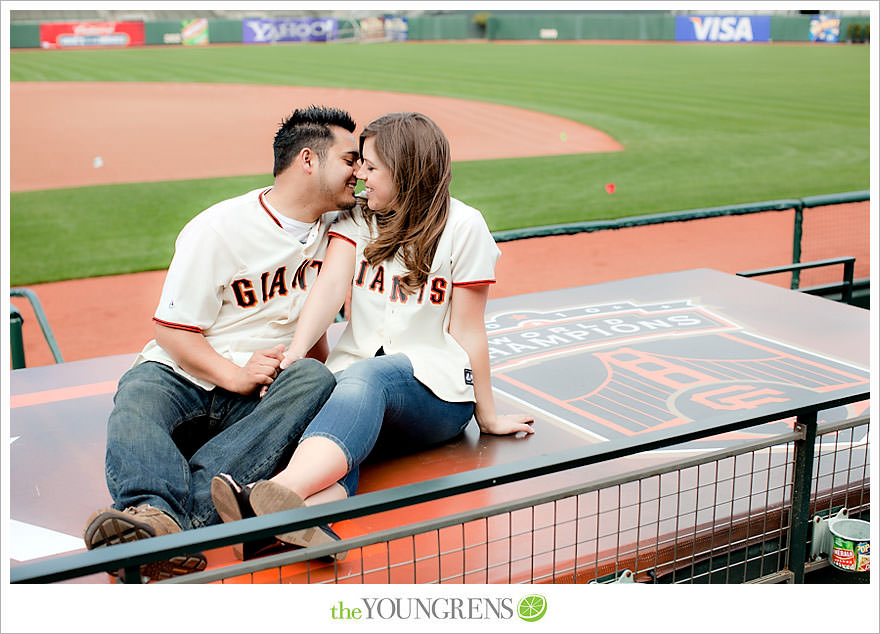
x=722 y=28
x=257 y=31
x=825 y=28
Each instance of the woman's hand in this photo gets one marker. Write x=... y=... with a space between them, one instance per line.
x=507 y=424
x=290 y=357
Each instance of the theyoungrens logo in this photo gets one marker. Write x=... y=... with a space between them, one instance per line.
x=530 y=608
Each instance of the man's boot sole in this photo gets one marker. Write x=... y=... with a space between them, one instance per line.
x=115 y=529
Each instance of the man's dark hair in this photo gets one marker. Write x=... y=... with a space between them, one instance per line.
x=308 y=127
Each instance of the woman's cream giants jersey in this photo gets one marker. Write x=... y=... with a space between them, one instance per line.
x=417 y=324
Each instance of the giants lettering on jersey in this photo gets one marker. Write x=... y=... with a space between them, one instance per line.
x=376 y=282
x=249 y=292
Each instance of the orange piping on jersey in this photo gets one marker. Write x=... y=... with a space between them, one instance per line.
x=333 y=234
x=266 y=208
x=475 y=283
x=169 y=324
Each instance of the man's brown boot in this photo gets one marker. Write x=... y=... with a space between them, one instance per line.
x=110 y=526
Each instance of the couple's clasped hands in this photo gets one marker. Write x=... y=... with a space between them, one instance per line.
x=262 y=369
x=264 y=365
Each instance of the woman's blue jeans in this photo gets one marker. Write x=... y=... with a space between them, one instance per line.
x=378 y=402
x=167 y=437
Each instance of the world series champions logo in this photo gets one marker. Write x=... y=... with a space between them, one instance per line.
x=621 y=369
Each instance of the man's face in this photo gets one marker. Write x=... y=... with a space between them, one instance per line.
x=336 y=171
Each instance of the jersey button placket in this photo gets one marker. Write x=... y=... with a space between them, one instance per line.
x=390 y=316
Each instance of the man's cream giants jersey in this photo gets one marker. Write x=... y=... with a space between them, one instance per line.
x=239 y=279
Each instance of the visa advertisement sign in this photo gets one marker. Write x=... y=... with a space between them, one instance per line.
x=722 y=28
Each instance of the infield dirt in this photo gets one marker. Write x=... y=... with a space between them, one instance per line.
x=152 y=132
x=146 y=132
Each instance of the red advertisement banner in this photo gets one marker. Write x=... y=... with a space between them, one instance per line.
x=71 y=34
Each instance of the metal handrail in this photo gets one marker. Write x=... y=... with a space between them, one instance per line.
x=647 y=219
x=31 y=296
x=846 y=286
x=16 y=343
x=796 y=204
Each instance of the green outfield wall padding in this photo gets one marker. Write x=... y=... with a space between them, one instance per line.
x=162 y=32
x=443 y=27
x=790 y=28
x=846 y=22
x=24 y=36
x=581 y=26
x=224 y=31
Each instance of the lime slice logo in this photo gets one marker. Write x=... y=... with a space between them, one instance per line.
x=532 y=608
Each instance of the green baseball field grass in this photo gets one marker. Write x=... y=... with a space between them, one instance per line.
x=703 y=126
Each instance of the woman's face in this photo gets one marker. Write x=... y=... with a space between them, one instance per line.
x=376 y=176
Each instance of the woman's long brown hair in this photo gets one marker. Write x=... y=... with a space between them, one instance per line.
x=417 y=152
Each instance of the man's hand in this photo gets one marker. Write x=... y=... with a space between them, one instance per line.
x=260 y=370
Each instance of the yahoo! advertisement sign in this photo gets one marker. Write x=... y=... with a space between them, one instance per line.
x=289 y=30
x=722 y=28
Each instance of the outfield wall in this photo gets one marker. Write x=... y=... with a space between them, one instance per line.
x=550 y=25
x=667 y=27
x=581 y=26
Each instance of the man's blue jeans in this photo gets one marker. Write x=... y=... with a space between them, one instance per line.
x=378 y=403
x=166 y=437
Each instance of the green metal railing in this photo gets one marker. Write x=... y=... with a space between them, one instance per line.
x=16 y=344
x=845 y=288
x=797 y=204
x=15 y=326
